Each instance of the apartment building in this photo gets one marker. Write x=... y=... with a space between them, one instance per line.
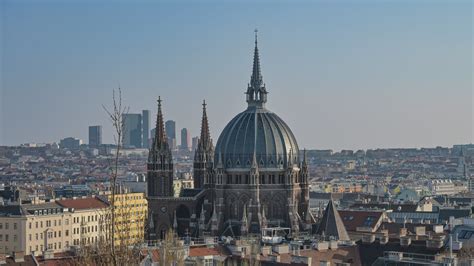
x=49 y=226
x=87 y=214
x=131 y=213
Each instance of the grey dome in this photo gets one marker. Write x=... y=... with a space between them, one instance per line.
x=256 y=131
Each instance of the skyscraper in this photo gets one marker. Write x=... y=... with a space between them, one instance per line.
x=195 y=143
x=95 y=136
x=145 y=128
x=185 y=139
x=170 y=128
x=132 y=130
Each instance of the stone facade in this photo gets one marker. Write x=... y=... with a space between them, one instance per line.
x=252 y=179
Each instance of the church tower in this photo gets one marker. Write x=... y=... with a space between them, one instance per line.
x=204 y=155
x=160 y=162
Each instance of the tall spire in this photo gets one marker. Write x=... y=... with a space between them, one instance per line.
x=256 y=91
x=160 y=134
x=205 y=136
x=256 y=80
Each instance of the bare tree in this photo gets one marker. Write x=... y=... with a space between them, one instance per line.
x=116 y=117
x=172 y=250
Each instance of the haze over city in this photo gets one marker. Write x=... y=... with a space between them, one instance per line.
x=343 y=75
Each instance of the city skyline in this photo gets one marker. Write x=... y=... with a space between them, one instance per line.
x=358 y=86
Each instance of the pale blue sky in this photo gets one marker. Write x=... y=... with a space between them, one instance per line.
x=342 y=74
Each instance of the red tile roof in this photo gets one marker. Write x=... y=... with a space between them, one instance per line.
x=353 y=219
x=202 y=251
x=83 y=203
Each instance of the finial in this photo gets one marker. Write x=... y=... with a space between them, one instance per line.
x=204 y=104
x=159 y=100
x=256 y=35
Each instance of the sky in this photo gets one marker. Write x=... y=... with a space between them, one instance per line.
x=342 y=74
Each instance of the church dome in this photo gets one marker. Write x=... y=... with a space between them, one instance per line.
x=256 y=131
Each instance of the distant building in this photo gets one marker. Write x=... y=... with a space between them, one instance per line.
x=70 y=143
x=170 y=129
x=132 y=133
x=152 y=132
x=145 y=128
x=445 y=187
x=195 y=143
x=95 y=136
x=185 y=139
x=71 y=191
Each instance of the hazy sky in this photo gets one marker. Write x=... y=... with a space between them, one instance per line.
x=342 y=74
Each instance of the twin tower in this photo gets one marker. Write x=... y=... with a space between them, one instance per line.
x=254 y=178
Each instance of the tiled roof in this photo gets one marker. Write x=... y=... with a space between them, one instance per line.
x=83 y=203
x=339 y=255
x=353 y=219
x=331 y=224
x=203 y=251
x=369 y=252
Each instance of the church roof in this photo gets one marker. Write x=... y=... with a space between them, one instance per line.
x=331 y=224
x=257 y=131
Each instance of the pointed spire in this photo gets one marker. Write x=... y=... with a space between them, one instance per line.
x=214 y=212
x=175 y=222
x=220 y=164
x=256 y=80
x=205 y=139
x=256 y=92
x=244 y=226
x=160 y=134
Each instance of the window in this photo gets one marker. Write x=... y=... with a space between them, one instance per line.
x=1 y=237
x=1 y=225
x=36 y=236
x=29 y=237
x=36 y=224
x=66 y=222
x=29 y=225
x=59 y=233
x=15 y=238
x=67 y=232
x=6 y=226
x=6 y=238
x=41 y=224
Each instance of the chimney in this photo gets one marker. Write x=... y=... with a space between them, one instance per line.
x=402 y=232
x=19 y=256
x=405 y=241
